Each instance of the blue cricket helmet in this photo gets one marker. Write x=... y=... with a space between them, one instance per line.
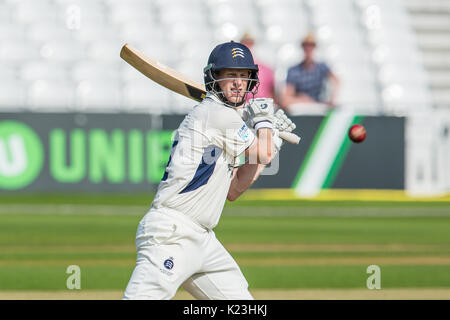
x=230 y=55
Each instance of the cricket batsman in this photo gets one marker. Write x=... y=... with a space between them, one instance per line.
x=175 y=242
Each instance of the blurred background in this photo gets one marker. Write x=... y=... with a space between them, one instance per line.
x=391 y=57
x=84 y=140
x=62 y=55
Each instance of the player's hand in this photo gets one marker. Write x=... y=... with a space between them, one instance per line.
x=277 y=141
x=260 y=112
x=282 y=122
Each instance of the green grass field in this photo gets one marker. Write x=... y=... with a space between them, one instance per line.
x=278 y=244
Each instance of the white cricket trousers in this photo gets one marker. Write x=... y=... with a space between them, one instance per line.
x=174 y=251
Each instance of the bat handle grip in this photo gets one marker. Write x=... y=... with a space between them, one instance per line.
x=289 y=137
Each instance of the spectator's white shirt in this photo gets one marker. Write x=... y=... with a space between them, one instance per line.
x=204 y=152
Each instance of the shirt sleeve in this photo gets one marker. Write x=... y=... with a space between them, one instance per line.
x=290 y=77
x=230 y=133
x=325 y=69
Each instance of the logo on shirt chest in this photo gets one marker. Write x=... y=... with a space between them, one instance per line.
x=243 y=132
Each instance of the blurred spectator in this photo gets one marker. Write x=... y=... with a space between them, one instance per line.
x=266 y=75
x=305 y=82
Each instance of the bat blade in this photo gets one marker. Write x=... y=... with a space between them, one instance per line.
x=174 y=80
x=163 y=75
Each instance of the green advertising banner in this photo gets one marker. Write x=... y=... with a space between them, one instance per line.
x=21 y=155
x=129 y=152
x=58 y=152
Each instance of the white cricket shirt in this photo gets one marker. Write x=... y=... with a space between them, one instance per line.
x=204 y=153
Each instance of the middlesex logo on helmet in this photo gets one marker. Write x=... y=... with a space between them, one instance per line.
x=237 y=52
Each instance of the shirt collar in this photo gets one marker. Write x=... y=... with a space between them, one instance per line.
x=213 y=97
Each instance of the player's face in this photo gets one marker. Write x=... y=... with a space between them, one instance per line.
x=233 y=83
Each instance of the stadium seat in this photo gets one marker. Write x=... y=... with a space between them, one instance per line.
x=50 y=95
x=244 y=6
x=105 y=50
x=166 y=53
x=81 y=39
x=95 y=69
x=12 y=95
x=227 y=13
x=182 y=105
x=337 y=54
x=266 y=53
x=435 y=41
x=34 y=11
x=351 y=73
x=8 y=72
x=11 y=32
x=283 y=33
x=128 y=73
x=82 y=11
x=90 y=32
x=13 y=51
x=275 y=15
x=62 y=51
x=43 y=70
x=140 y=31
x=143 y=95
x=436 y=59
x=329 y=4
x=401 y=98
x=358 y=93
x=125 y=13
x=383 y=54
x=44 y=31
x=397 y=38
x=193 y=5
x=430 y=22
x=429 y=6
x=328 y=33
x=290 y=4
x=5 y=13
x=288 y=55
x=196 y=55
x=98 y=96
x=402 y=74
x=226 y=32
x=182 y=32
x=170 y=14
x=192 y=69
x=390 y=17
x=440 y=78
x=133 y=3
x=441 y=98
x=93 y=6
x=348 y=19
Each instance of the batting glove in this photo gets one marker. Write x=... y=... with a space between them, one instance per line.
x=282 y=122
x=260 y=112
x=277 y=141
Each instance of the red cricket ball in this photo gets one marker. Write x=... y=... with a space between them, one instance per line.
x=357 y=133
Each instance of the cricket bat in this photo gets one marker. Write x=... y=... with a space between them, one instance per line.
x=175 y=81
